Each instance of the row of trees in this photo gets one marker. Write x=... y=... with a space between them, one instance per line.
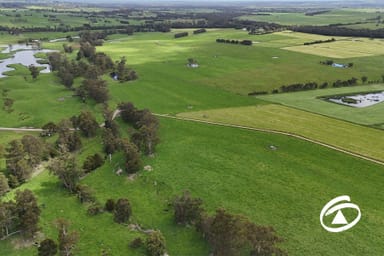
x=339 y=31
x=181 y=34
x=227 y=234
x=313 y=13
x=320 y=41
x=228 y=41
x=314 y=85
x=299 y=87
x=18 y=30
x=199 y=31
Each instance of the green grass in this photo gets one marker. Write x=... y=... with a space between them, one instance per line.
x=228 y=168
x=38 y=101
x=299 y=18
x=347 y=48
x=337 y=133
x=166 y=84
x=236 y=170
x=310 y=101
x=234 y=68
x=33 y=18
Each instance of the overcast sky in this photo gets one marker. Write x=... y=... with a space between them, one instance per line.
x=223 y=0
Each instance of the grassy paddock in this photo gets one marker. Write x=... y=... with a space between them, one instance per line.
x=347 y=48
x=229 y=168
x=299 y=18
x=234 y=68
x=310 y=101
x=39 y=101
x=324 y=129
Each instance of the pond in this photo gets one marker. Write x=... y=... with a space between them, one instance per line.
x=22 y=54
x=359 y=100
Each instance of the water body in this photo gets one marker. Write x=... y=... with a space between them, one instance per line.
x=22 y=54
x=362 y=100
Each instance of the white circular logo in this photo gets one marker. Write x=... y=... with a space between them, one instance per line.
x=339 y=219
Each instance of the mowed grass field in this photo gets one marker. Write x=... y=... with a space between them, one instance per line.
x=311 y=101
x=230 y=168
x=355 y=138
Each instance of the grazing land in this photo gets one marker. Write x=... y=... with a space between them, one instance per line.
x=275 y=117
x=262 y=67
x=341 y=16
x=311 y=101
x=36 y=102
x=341 y=49
x=228 y=168
x=272 y=178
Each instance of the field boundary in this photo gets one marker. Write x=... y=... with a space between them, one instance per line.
x=271 y=131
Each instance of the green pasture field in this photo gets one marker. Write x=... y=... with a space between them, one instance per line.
x=310 y=101
x=347 y=48
x=34 y=18
x=342 y=16
x=351 y=137
x=234 y=68
x=226 y=167
x=37 y=102
x=167 y=85
x=230 y=168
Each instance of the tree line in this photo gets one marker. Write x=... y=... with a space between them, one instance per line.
x=339 y=31
x=320 y=41
x=313 y=13
x=181 y=34
x=199 y=31
x=313 y=85
x=228 y=41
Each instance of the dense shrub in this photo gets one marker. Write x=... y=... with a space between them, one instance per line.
x=182 y=34
x=136 y=243
x=93 y=162
x=110 y=205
